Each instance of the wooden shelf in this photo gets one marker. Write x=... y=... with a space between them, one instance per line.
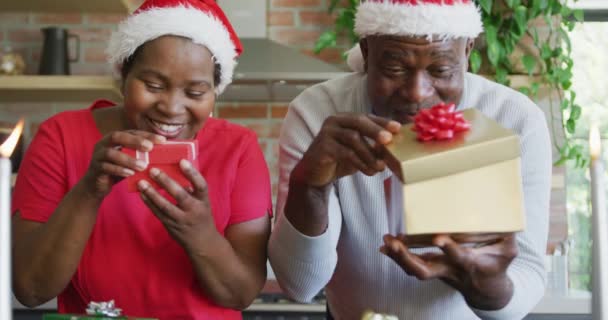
x=64 y=6
x=58 y=88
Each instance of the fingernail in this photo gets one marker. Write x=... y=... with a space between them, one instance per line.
x=140 y=165
x=394 y=247
x=385 y=136
x=440 y=242
x=143 y=185
x=185 y=164
x=128 y=172
x=161 y=138
x=154 y=172
x=147 y=144
x=394 y=123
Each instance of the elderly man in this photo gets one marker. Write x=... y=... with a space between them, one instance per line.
x=335 y=227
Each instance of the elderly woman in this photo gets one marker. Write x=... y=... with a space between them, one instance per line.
x=178 y=252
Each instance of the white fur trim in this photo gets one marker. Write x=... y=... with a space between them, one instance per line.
x=460 y=20
x=202 y=28
x=355 y=60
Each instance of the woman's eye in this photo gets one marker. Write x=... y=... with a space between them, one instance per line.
x=154 y=86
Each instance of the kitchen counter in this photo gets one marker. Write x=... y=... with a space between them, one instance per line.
x=575 y=303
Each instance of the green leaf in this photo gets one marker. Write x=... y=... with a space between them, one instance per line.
x=534 y=88
x=494 y=53
x=345 y=20
x=570 y=25
x=534 y=9
x=570 y=126
x=491 y=33
x=525 y=91
x=562 y=160
x=486 y=5
x=475 y=60
x=521 y=17
x=565 y=104
x=529 y=62
x=332 y=5
x=544 y=4
x=575 y=112
x=579 y=15
x=564 y=150
x=501 y=76
x=556 y=7
x=511 y=3
x=565 y=12
x=326 y=40
x=565 y=37
x=545 y=51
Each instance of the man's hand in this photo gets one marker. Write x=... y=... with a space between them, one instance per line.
x=479 y=272
x=346 y=143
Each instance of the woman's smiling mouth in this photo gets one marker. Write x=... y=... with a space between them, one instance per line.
x=165 y=129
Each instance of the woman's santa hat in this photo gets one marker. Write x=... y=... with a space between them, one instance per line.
x=432 y=19
x=202 y=21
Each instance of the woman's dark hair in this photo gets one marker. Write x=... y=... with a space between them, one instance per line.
x=130 y=61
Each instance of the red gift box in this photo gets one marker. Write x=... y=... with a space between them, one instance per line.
x=165 y=157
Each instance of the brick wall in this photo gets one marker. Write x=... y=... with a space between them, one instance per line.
x=296 y=23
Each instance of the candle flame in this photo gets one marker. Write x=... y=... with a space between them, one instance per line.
x=7 y=148
x=595 y=144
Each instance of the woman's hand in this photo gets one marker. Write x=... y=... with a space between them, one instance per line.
x=479 y=272
x=189 y=220
x=109 y=164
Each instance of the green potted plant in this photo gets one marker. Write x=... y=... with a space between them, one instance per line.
x=528 y=37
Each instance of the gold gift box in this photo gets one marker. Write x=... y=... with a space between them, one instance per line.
x=470 y=184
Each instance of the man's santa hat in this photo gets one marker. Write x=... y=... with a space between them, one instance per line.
x=202 y=21
x=431 y=19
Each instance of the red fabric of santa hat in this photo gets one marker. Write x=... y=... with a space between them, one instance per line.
x=202 y=21
x=431 y=19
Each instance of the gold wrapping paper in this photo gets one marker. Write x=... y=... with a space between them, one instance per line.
x=471 y=184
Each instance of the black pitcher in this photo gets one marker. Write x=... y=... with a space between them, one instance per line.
x=55 y=57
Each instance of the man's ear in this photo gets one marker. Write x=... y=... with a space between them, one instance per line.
x=364 y=52
x=469 y=47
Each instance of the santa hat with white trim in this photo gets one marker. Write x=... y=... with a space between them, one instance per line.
x=432 y=19
x=202 y=21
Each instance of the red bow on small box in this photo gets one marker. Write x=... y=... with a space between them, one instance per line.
x=441 y=122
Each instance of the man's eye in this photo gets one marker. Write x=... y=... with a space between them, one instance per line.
x=442 y=72
x=394 y=70
x=195 y=94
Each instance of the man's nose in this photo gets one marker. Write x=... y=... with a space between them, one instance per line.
x=417 y=88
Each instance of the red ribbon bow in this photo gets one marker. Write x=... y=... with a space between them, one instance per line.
x=441 y=122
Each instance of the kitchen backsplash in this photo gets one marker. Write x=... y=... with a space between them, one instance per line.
x=296 y=23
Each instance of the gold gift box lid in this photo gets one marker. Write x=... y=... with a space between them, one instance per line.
x=485 y=143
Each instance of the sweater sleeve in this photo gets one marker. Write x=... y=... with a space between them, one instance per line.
x=303 y=265
x=527 y=271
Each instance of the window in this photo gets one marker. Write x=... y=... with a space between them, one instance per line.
x=590 y=55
